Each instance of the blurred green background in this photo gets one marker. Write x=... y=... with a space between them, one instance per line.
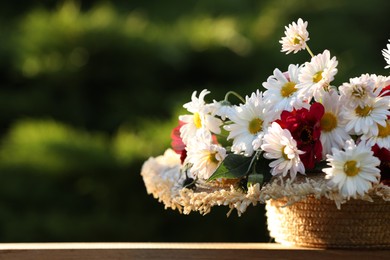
x=90 y=89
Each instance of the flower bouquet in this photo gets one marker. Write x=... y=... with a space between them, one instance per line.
x=313 y=152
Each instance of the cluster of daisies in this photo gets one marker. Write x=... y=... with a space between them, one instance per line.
x=300 y=124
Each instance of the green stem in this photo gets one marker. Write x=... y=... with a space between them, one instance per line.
x=253 y=161
x=309 y=51
x=235 y=94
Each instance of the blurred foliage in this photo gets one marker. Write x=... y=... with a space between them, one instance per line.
x=90 y=89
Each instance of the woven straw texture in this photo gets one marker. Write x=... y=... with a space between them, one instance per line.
x=318 y=223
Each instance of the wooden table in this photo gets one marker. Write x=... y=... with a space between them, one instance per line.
x=172 y=251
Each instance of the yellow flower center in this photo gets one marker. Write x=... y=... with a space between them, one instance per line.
x=350 y=168
x=197 y=120
x=317 y=77
x=255 y=126
x=328 y=122
x=296 y=40
x=213 y=158
x=363 y=111
x=284 y=154
x=384 y=131
x=288 y=89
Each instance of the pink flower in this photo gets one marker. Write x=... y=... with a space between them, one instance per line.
x=177 y=142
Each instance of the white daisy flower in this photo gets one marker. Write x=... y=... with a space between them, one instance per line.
x=358 y=90
x=316 y=75
x=221 y=109
x=365 y=120
x=382 y=139
x=281 y=93
x=296 y=37
x=386 y=55
x=333 y=133
x=204 y=156
x=354 y=170
x=201 y=120
x=248 y=122
x=281 y=146
x=380 y=83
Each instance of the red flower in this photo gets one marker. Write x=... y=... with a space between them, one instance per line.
x=383 y=155
x=305 y=128
x=177 y=142
x=385 y=91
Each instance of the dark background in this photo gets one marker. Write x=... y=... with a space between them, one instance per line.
x=89 y=90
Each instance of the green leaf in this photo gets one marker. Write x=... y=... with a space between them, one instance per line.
x=256 y=178
x=262 y=167
x=234 y=166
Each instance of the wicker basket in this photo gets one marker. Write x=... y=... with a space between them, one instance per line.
x=318 y=223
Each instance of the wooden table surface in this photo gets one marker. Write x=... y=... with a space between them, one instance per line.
x=245 y=251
